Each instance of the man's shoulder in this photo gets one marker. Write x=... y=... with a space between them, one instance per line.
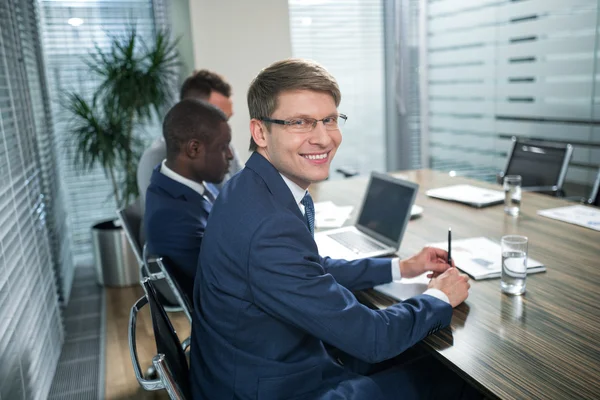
x=155 y=153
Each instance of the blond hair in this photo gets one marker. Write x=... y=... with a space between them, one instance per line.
x=283 y=76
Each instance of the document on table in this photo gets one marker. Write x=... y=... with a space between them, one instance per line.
x=588 y=217
x=404 y=288
x=468 y=194
x=328 y=215
x=481 y=257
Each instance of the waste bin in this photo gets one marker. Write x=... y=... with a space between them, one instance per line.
x=116 y=264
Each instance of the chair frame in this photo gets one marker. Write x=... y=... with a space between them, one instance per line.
x=563 y=170
x=175 y=288
x=594 y=195
x=165 y=379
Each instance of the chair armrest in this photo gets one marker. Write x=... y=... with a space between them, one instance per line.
x=146 y=384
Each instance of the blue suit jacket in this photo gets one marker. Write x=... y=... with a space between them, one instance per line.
x=265 y=302
x=174 y=219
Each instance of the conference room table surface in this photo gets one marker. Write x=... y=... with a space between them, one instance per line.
x=544 y=344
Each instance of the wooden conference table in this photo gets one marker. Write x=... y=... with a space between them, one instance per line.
x=544 y=344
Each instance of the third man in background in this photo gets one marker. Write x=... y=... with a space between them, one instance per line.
x=202 y=85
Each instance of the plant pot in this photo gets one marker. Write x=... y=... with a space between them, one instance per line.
x=116 y=264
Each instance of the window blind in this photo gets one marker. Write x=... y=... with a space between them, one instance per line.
x=31 y=331
x=67 y=44
x=346 y=37
x=498 y=68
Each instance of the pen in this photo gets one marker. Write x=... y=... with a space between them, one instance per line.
x=450 y=246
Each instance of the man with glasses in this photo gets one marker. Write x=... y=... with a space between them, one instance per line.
x=265 y=302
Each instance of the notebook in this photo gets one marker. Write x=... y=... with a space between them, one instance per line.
x=468 y=194
x=481 y=258
x=382 y=220
x=581 y=215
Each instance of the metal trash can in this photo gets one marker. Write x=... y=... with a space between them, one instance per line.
x=116 y=264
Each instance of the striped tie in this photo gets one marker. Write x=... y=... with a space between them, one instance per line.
x=309 y=212
x=211 y=192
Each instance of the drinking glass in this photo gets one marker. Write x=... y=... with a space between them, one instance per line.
x=514 y=264
x=512 y=194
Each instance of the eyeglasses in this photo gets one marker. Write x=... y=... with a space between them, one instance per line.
x=331 y=123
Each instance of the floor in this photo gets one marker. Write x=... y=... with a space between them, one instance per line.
x=120 y=378
x=78 y=373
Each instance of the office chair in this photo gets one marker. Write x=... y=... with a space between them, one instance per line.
x=348 y=172
x=170 y=361
x=131 y=220
x=594 y=199
x=166 y=265
x=542 y=165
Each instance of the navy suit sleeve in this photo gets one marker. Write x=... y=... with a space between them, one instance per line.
x=288 y=281
x=359 y=274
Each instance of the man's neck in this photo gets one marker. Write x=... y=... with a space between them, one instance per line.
x=184 y=179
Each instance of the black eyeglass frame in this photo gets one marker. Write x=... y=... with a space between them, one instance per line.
x=285 y=122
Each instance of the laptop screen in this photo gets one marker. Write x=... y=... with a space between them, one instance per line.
x=387 y=205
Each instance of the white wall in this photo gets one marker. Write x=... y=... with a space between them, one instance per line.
x=237 y=38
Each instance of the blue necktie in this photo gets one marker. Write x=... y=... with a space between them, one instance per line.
x=211 y=192
x=309 y=212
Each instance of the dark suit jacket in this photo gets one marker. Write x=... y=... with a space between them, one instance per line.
x=265 y=302
x=174 y=219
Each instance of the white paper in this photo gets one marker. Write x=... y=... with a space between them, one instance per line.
x=588 y=217
x=405 y=288
x=481 y=258
x=328 y=215
x=467 y=194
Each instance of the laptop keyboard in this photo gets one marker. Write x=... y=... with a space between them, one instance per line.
x=357 y=243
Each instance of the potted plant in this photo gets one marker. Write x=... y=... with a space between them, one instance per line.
x=137 y=82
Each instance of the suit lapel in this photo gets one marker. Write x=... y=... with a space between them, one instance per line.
x=178 y=190
x=274 y=182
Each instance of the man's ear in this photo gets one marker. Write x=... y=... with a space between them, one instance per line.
x=195 y=148
x=259 y=132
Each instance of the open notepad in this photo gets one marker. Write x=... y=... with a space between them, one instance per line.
x=481 y=258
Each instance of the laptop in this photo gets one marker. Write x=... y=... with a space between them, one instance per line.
x=382 y=220
x=468 y=194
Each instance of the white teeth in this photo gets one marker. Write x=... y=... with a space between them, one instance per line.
x=316 y=156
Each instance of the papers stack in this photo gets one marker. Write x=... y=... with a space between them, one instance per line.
x=481 y=258
x=328 y=215
x=588 y=217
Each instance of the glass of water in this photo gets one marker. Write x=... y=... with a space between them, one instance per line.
x=512 y=194
x=514 y=264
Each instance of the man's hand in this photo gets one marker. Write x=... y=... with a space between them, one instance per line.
x=429 y=259
x=454 y=284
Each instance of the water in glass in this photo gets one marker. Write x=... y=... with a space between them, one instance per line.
x=514 y=272
x=512 y=195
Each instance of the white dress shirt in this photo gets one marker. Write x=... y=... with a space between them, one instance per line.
x=299 y=193
x=195 y=186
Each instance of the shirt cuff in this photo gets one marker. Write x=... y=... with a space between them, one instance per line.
x=396 y=274
x=438 y=294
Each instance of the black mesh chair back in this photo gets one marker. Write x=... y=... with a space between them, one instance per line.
x=131 y=219
x=595 y=195
x=167 y=344
x=174 y=279
x=542 y=165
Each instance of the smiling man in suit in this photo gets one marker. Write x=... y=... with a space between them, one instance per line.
x=178 y=201
x=266 y=302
